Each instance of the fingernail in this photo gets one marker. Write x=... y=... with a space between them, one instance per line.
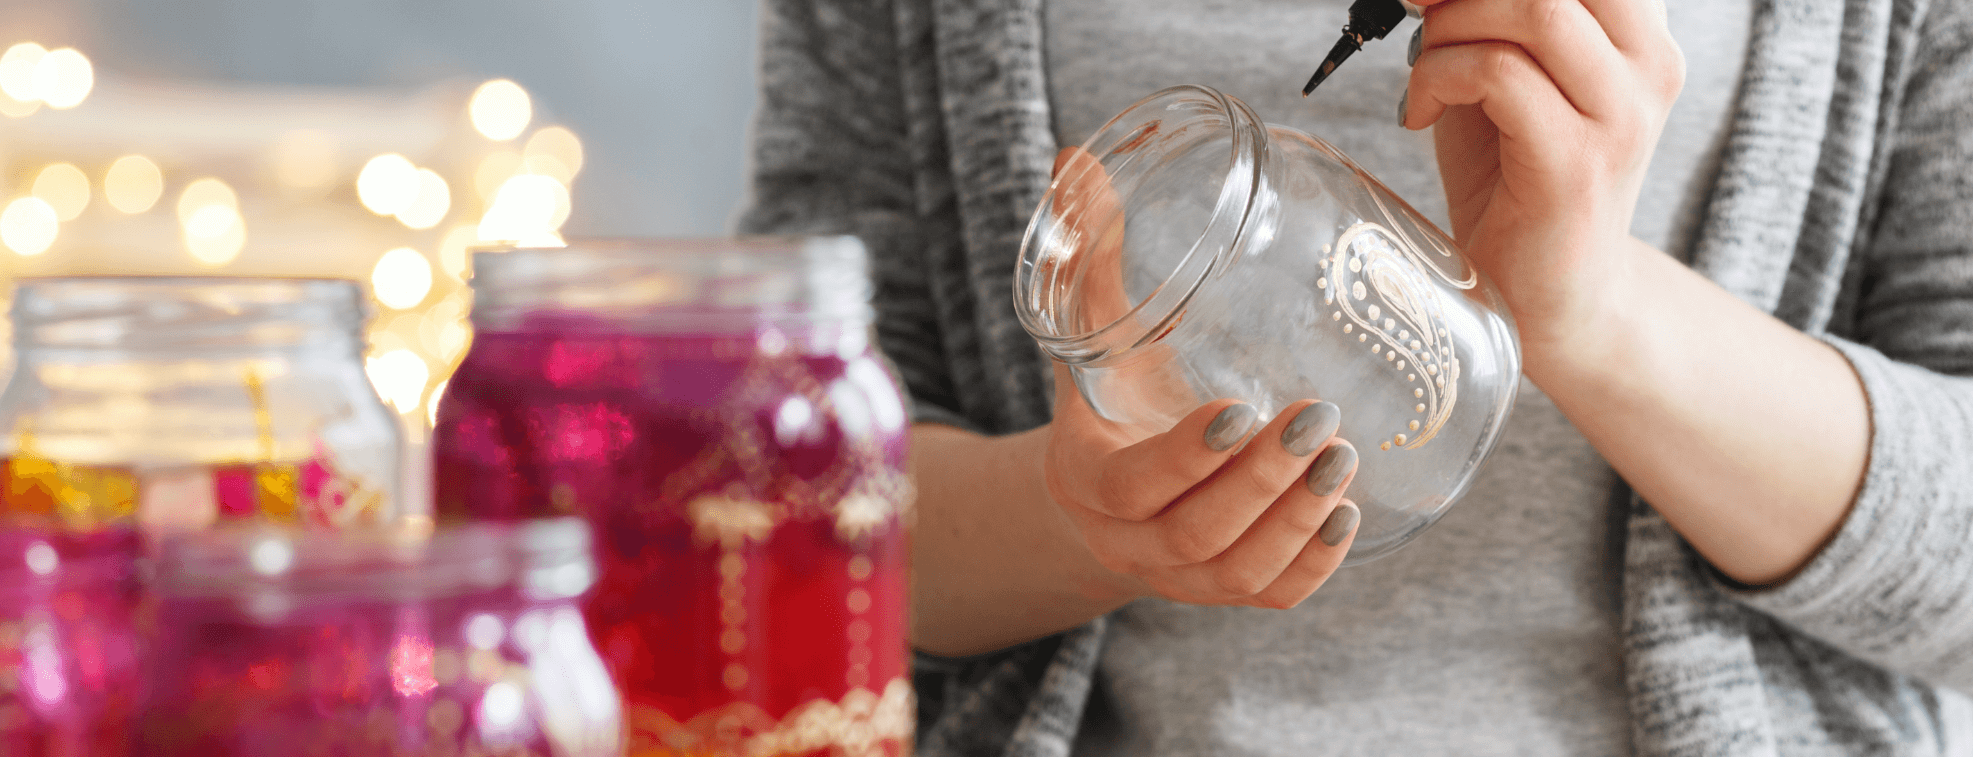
x=1230 y=426
x=1330 y=468
x=1341 y=522
x=1311 y=427
x=1417 y=45
x=1403 y=101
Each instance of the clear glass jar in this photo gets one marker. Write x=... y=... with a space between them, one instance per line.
x=181 y=402
x=716 y=410
x=469 y=640
x=70 y=614
x=1192 y=252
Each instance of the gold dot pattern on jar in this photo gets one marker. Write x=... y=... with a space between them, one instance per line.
x=735 y=676
x=859 y=601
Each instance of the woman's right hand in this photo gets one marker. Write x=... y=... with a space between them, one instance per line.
x=1192 y=516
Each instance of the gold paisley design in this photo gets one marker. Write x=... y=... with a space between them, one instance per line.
x=1376 y=283
x=863 y=724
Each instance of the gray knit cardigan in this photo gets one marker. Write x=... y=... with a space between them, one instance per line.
x=1844 y=205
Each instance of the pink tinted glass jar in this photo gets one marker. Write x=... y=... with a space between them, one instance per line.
x=716 y=410
x=69 y=621
x=272 y=643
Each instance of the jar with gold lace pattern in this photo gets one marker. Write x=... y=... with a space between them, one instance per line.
x=715 y=409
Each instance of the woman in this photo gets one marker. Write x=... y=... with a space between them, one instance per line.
x=1753 y=303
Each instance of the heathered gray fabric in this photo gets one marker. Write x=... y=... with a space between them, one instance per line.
x=923 y=126
x=1499 y=631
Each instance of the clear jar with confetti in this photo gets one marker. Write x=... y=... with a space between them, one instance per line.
x=169 y=404
x=464 y=641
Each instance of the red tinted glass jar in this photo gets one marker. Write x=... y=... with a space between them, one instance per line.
x=274 y=643
x=716 y=410
x=69 y=620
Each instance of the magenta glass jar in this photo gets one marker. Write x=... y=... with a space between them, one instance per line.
x=717 y=412
x=274 y=643
x=70 y=613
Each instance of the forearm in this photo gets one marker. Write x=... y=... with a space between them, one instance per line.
x=1749 y=436
x=994 y=561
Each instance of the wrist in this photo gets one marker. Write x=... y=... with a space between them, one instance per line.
x=1600 y=332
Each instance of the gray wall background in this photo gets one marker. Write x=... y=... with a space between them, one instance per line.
x=658 y=90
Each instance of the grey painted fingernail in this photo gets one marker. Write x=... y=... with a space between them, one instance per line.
x=1417 y=46
x=1230 y=426
x=1330 y=468
x=1403 y=101
x=1341 y=522
x=1313 y=425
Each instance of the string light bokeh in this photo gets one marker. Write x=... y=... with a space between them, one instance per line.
x=389 y=188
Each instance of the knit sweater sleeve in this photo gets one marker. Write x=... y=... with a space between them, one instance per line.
x=1895 y=584
x=830 y=156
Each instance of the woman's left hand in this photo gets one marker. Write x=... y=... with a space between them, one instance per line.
x=1547 y=112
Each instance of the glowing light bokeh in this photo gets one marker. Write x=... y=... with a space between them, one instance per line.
x=387 y=184
x=65 y=188
x=401 y=279
x=63 y=78
x=430 y=204
x=454 y=251
x=528 y=210
x=17 y=71
x=399 y=376
x=494 y=170
x=204 y=192
x=29 y=226
x=215 y=234
x=133 y=184
x=500 y=110
x=555 y=152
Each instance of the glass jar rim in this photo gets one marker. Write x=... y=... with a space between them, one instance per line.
x=716 y=283
x=1046 y=244
x=544 y=558
x=171 y=312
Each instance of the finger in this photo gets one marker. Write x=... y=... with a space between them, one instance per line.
x=1257 y=559
x=1316 y=563
x=1635 y=26
x=1537 y=126
x=1560 y=35
x=1206 y=521
x=1139 y=481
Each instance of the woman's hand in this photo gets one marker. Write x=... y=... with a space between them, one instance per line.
x=1547 y=114
x=1182 y=514
x=1185 y=516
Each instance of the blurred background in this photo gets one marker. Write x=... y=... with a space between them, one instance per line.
x=365 y=139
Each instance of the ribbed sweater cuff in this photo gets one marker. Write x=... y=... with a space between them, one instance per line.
x=1895 y=584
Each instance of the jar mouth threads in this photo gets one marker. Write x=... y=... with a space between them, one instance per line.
x=638 y=285
x=144 y=314
x=1142 y=187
